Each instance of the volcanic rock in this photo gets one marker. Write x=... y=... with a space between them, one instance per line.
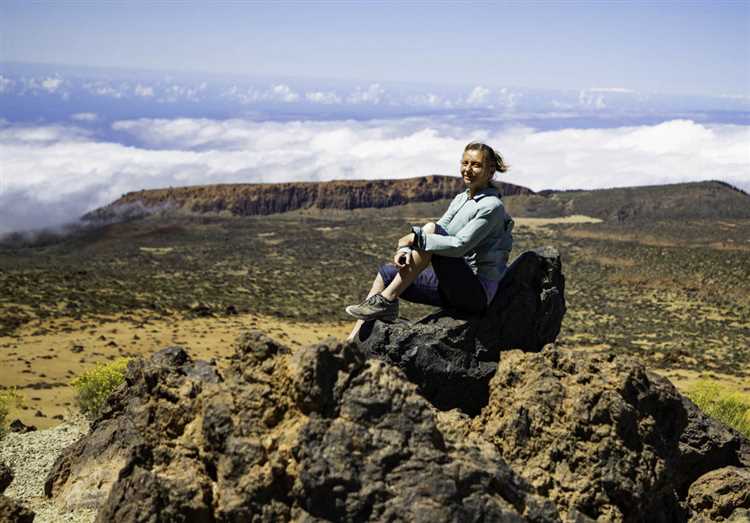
x=6 y=477
x=722 y=495
x=12 y=511
x=452 y=357
x=330 y=434
x=600 y=434
x=20 y=427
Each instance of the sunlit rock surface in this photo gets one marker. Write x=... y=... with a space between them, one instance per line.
x=328 y=433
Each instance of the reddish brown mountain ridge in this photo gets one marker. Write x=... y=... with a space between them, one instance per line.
x=270 y=198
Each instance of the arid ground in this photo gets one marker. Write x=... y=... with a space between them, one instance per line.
x=674 y=293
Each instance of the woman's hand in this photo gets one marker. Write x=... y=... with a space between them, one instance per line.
x=403 y=258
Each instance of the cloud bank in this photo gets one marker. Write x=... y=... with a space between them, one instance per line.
x=53 y=174
x=31 y=89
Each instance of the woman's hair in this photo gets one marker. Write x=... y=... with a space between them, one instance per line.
x=491 y=154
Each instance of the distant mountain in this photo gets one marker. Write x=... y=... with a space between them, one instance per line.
x=698 y=200
x=266 y=198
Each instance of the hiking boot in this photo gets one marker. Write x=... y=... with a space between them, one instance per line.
x=375 y=307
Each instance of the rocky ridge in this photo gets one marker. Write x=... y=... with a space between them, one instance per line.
x=270 y=198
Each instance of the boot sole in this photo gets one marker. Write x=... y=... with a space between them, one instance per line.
x=387 y=318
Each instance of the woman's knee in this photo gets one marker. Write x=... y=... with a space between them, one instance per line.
x=429 y=228
x=421 y=258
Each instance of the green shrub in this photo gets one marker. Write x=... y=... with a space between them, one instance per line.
x=94 y=386
x=720 y=402
x=9 y=398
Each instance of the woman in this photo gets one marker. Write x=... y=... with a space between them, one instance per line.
x=468 y=248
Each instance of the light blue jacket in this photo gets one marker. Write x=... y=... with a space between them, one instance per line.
x=478 y=229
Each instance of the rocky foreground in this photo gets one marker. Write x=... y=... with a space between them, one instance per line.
x=330 y=434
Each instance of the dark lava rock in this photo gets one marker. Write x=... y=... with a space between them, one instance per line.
x=201 y=310
x=18 y=426
x=452 y=357
x=323 y=435
x=6 y=477
x=599 y=434
x=330 y=434
x=722 y=495
x=12 y=511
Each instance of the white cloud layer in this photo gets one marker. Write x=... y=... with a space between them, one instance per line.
x=53 y=174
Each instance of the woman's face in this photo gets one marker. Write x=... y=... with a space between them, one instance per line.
x=475 y=170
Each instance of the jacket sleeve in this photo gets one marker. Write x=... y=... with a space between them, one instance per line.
x=467 y=238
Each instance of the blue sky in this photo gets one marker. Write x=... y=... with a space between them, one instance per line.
x=664 y=47
x=101 y=98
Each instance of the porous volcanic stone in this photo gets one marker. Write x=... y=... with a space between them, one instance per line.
x=599 y=434
x=330 y=434
x=11 y=511
x=325 y=434
x=6 y=477
x=452 y=357
x=722 y=495
x=20 y=427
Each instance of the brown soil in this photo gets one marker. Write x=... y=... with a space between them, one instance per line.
x=43 y=357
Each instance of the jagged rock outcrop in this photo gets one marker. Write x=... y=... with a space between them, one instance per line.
x=453 y=357
x=328 y=433
x=11 y=511
x=722 y=495
x=323 y=434
x=600 y=434
x=6 y=477
x=266 y=198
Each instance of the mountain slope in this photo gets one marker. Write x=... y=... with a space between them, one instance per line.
x=699 y=200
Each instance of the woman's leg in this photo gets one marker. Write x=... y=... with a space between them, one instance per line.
x=407 y=275
x=401 y=281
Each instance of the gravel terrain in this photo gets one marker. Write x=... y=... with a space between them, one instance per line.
x=31 y=456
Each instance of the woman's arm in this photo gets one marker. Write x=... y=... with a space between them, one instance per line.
x=465 y=239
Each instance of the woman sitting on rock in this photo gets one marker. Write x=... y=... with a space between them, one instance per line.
x=468 y=248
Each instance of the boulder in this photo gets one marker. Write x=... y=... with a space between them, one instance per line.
x=11 y=511
x=598 y=433
x=330 y=434
x=20 y=427
x=325 y=434
x=452 y=357
x=6 y=477
x=722 y=495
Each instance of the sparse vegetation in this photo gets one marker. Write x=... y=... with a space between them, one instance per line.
x=9 y=399
x=94 y=386
x=718 y=401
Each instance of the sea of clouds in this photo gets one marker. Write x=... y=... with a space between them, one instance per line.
x=71 y=144
x=54 y=173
